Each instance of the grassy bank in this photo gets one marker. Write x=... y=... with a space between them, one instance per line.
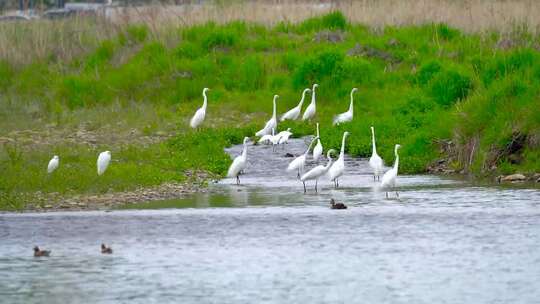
x=469 y=98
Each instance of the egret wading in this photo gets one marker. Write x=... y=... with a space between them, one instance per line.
x=375 y=161
x=294 y=113
x=300 y=162
x=53 y=164
x=272 y=123
x=318 y=150
x=338 y=167
x=312 y=108
x=198 y=118
x=317 y=172
x=347 y=116
x=389 y=178
x=239 y=163
x=103 y=161
x=284 y=137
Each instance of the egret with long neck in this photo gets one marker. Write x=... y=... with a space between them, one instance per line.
x=312 y=108
x=318 y=150
x=299 y=162
x=198 y=118
x=346 y=116
x=317 y=172
x=294 y=113
x=272 y=123
x=375 y=161
x=239 y=163
x=389 y=178
x=338 y=167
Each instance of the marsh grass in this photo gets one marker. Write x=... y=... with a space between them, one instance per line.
x=417 y=85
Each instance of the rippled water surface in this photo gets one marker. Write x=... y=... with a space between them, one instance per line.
x=444 y=241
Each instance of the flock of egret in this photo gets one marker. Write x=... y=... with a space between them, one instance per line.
x=334 y=170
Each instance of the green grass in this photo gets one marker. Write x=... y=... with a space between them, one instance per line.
x=420 y=85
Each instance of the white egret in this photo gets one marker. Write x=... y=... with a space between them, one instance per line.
x=317 y=151
x=268 y=138
x=299 y=162
x=272 y=123
x=317 y=172
x=239 y=163
x=375 y=161
x=389 y=178
x=103 y=161
x=347 y=116
x=284 y=136
x=338 y=167
x=198 y=118
x=53 y=164
x=311 y=109
x=294 y=113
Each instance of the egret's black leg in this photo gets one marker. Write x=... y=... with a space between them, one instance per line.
x=386 y=194
x=316 y=185
x=304 y=186
x=238 y=179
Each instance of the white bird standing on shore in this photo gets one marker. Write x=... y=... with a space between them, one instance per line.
x=338 y=167
x=312 y=108
x=375 y=161
x=317 y=151
x=103 y=161
x=389 y=178
x=347 y=116
x=198 y=118
x=299 y=162
x=317 y=172
x=53 y=164
x=272 y=123
x=294 y=113
x=239 y=163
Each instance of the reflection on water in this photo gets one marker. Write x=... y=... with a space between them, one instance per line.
x=443 y=241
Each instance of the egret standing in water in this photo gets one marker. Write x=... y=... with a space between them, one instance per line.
x=299 y=162
x=53 y=164
x=375 y=161
x=347 y=116
x=338 y=167
x=198 y=118
x=103 y=161
x=239 y=163
x=312 y=108
x=284 y=137
x=294 y=113
x=389 y=178
x=272 y=123
x=317 y=172
x=318 y=150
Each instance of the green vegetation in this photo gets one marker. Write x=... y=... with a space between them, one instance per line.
x=417 y=85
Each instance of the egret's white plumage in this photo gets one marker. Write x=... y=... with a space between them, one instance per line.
x=103 y=161
x=198 y=118
x=239 y=163
x=389 y=178
x=299 y=162
x=309 y=113
x=53 y=164
x=317 y=172
x=375 y=161
x=294 y=113
x=268 y=138
x=284 y=136
x=338 y=167
x=347 y=116
x=318 y=150
x=272 y=123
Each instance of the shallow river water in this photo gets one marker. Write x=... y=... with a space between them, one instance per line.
x=443 y=241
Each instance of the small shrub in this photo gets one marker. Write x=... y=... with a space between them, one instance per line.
x=6 y=74
x=450 y=86
x=445 y=32
x=506 y=64
x=219 y=38
x=101 y=55
x=426 y=72
x=332 y=21
x=316 y=68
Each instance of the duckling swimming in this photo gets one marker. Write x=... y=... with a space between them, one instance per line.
x=41 y=253
x=335 y=205
x=105 y=249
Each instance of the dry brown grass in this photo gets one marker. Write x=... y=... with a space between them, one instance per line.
x=64 y=39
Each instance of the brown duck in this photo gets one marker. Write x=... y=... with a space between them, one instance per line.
x=335 y=205
x=41 y=253
x=105 y=249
